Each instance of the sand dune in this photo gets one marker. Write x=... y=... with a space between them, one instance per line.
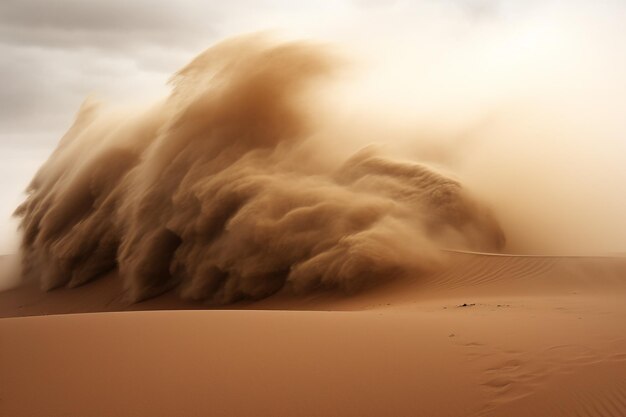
x=462 y=275
x=486 y=336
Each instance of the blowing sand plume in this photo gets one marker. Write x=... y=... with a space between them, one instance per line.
x=222 y=191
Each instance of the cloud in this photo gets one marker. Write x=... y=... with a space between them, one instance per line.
x=107 y=25
x=55 y=54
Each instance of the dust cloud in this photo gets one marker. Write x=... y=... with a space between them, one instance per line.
x=240 y=184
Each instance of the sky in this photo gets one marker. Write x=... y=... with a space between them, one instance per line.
x=55 y=54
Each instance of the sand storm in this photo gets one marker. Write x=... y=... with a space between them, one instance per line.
x=234 y=234
x=224 y=191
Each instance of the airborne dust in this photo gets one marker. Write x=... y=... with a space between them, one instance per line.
x=230 y=189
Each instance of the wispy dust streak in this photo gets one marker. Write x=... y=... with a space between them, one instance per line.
x=221 y=191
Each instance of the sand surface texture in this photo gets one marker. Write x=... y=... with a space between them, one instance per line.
x=486 y=336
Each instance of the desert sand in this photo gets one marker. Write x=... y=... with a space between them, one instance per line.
x=489 y=335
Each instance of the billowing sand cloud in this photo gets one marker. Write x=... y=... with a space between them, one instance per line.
x=224 y=191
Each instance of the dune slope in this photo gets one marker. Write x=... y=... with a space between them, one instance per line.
x=487 y=336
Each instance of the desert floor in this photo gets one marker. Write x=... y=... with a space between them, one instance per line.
x=486 y=336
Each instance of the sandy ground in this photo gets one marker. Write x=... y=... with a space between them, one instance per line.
x=487 y=336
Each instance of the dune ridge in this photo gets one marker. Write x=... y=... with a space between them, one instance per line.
x=464 y=275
